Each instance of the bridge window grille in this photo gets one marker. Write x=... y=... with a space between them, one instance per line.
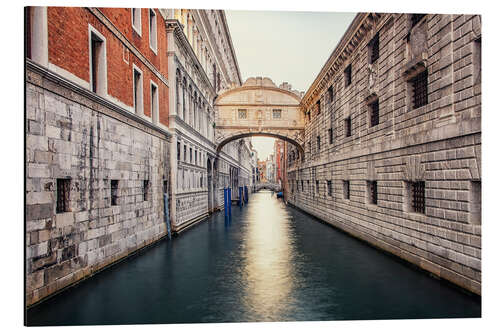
x=347 y=124
x=63 y=193
x=418 y=196
x=374 y=113
x=242 y=114
x=145 y=190
x=415 y=18
x=347 y=76
x=276 y=114
x=419 y=89
x=329 y=187
x=330 y=135
x=114 y=192
x=373 y=192
x=374 y=49
x=347 y=190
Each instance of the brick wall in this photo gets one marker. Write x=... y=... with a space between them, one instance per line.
x=439 y=143
x=68 y=48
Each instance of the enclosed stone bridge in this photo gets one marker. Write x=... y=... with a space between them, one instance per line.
x=268 y=186
x=260 y=108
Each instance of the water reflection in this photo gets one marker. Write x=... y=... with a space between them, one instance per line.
x=268 y=259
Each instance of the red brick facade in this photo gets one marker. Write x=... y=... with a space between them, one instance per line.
x=68 y=48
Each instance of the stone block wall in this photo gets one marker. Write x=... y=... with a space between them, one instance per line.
x=74 y=135
x=438 y=143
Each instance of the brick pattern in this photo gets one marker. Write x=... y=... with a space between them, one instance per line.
x=70 y=140
x=439 y=143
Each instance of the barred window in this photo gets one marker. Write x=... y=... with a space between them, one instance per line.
x=276 y=114
x=347 y=76
x=318 y=141
x=374 y=49
x=374 y=113
x=419 y=89
x=418 y=196
x=330 y=94
x=145 y=190
x=347 y=190
x=302 y=185
x=329 y=187
x=330 y=135
x=114 y=192
x=242 y=114
x=373 y=192
x=415 y=18
x=347 y=124
x=317 y=186
x=63 y=190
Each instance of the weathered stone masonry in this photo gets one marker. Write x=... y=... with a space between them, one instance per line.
x=438 y=143
x=74 y=134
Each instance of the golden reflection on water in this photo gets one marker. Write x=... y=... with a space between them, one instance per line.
x=268 y=251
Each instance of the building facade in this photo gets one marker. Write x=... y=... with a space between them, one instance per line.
x=97 y=140
x=202 y=64
x=393 y=141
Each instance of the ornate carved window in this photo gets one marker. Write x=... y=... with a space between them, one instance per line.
x=242 y=114
x=347 y=76
x=276 y=113
x=63 y=191
x=419 y=89
x=374 y=49
x=374 y=113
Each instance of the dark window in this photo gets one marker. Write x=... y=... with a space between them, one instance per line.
x=330 y=135
x=195 y=157
x=415 y=18
x=318 y=140
x=372 y=190
x=329 y=187
x=178 y=151
x=330 y=94
x=114 y=192
x=145 y=190
x=63 y=190
x=137 y=90
x=347 y=76
x=418 y=196
x=347 y=124
x=317 y=186
x=309 y=116
x=374 y=114
x=374 y=52
x=347 y=190
x=165 y=186
x=185 y=155
x=190 y=155
x=95 y=44
x=302 y=185
x=419 y=89
x=318 y=106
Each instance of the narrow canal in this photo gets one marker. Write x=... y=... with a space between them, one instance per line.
x=269 y=263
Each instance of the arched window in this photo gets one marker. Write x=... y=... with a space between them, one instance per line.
x=184 y=99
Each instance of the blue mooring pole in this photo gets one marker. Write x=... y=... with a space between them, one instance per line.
x=166 y=214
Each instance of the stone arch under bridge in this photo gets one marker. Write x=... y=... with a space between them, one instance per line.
x=260 y=108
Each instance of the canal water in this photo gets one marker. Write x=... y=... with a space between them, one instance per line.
x=270 y=262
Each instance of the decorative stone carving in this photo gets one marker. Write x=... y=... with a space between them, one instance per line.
x=414 y=169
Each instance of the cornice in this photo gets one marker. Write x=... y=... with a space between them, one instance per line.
x=347 y=46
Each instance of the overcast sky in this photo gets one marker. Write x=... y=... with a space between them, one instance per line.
x=284 y=46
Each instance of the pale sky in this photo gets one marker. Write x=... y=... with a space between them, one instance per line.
x=284 y=46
